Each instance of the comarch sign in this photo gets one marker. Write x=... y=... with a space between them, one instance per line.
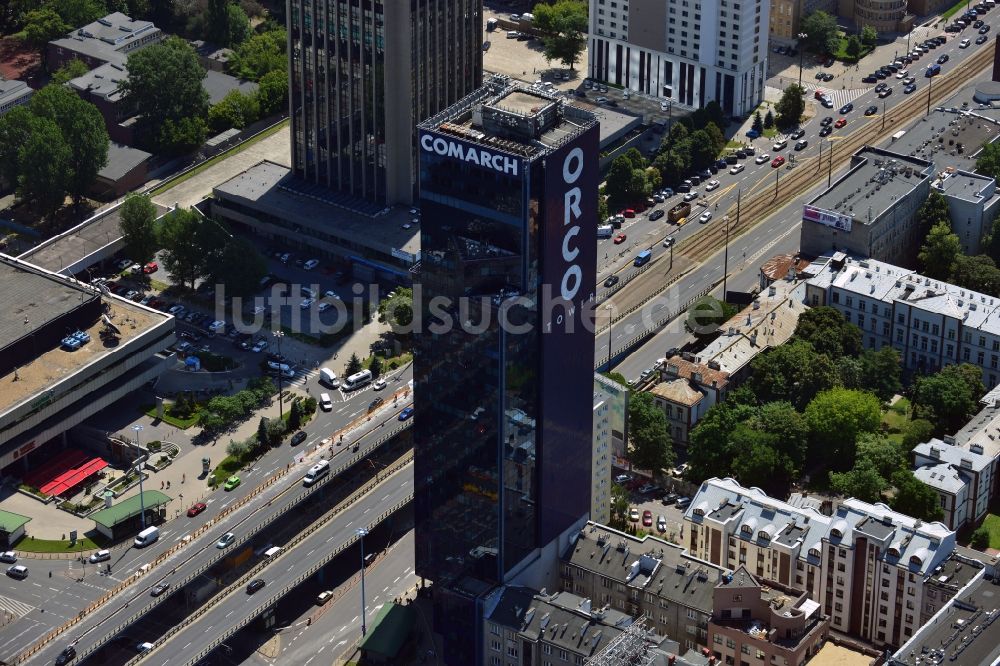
x=478 y=156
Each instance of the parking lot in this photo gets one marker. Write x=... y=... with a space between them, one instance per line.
x=660 y=502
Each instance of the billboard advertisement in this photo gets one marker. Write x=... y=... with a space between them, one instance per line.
x=568 y=246
x=828 y=218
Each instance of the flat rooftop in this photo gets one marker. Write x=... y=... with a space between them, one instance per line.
x=40 y=298
x=270 y=187
x=83 y=240
x=877 y=180
x=103 y=81
x=107 y=37
x=937 y=138
x=12 y=89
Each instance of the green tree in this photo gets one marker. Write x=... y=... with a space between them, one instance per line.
x=82 y=128
x=793 y=372
x=564 y=24
x=181 y=255
x=717 y=138
x=880 y=373
x=239 y=266
x=824 y=35
x=295 y=416
x=980 y=539
x=939 y=252
x=375 y=366
x=768 y=119
x=272 y=93
x=165 y=86
x=619 y=507
x=916 y=432
x=932 y=212
x=853 y=47
x=353 y=365
x=217 y=22
x=702 y=149
x=626 y=183
x=949 y=397
x=914 y=497
x=260 y=54
x=791 y=106
x=978 y=272
x=275 y=431
x=138 y=227
x=828 y=332
x=15 y=129
x=397 y=311
x=78 y=13
x=238 y=26
x=262 y=437
x=236 y=110
x=759 y=463
x=884 y=454
x=836 y=418
x=988 y=161
x=709 y=453
x=70 y=71
x=758 y=123
x=42 y=26
x=991 y=244
x=45 y=167
x=789 y=429
x=706 y=315
x=862 y=481
x=869 y=36
x=649 y=434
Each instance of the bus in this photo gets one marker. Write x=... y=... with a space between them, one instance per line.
x=357 y=380
x=643 y=258
x=932 y=70
x=316 y=472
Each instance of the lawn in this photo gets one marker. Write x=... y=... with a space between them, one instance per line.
x=956 y=8
x=895 y=419
x=992 y=524
x=218 y=158
x=177 y=422
x=770 y=132
x=841 y=52
x=30 y=544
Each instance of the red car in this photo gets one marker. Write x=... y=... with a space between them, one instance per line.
x=840 y=123
x=196 y=509
x=619 y=239
x=647 y=518
x=149 y=268
x=777 y=161
x=628 y=212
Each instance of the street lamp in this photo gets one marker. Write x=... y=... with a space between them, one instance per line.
x=281 y=409
x=609 y=308
x=802 y=36
x=142 y=504
x=362 y=533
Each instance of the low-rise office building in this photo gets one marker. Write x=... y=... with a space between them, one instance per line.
x=972 y=205
x=13 y=93
x=110 y=38
x=866 y=565
x=686 y=391
x=648 y=577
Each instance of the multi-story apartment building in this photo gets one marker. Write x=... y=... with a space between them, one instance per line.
x=883 y=15
x=108 y=39
x=610 y=411
x=757 y=623
x=523 y=627
x=931 y=323
x=685 y=51
x=648 y=577
x=866 y=565
x=786 y=16
x=972 y=205
x=363 y=75
x=687 y=390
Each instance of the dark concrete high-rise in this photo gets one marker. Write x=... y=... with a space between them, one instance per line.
x=503 y=365
x=363 y=74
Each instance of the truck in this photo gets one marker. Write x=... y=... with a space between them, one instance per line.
x=679 y=211
x=491 y=24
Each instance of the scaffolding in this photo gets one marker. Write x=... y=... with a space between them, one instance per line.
x=629 y=648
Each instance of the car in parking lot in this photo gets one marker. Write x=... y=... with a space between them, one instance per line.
x=8 y=557
x=801 y=145
x=259 y=346
x=683 y=502
x=780 y=144
x=885 y=93
x=711 y=185
x=763 y=157
x=622 y=478
x=777 y=162
x=311 y=264
x=964 y=44
x=601 y=100
x=196 y=508
x=159 y=589
x=840 y=123
x=871 y=78
x=619 y=239
x=647 y=518
x=826 y=130
x=656 y=214
x=847 y=108
x=232 y=482
x=661 y=524
x=981 y=39
x=985 y=29
x=797 y=134
x=611 y=281
x=633 y=514
x=255 y=585
x=307 y=303
x=910 y=88
x=871 y=110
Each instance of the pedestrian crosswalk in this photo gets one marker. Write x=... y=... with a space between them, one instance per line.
x=14 y=607
x=302 y=376
x=839 y=97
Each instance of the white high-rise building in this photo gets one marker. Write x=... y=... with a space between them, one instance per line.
x=686 y=51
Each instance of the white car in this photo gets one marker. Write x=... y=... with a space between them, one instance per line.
x=323 y=307
x=705 y=217
x=100 y=556
x=260 y=346
x=779 y=145
x=311 y=264
x=602 y=100
x=737 y=169
x=331 y=294
x=964 y=44
x=763 y=157
x=711 y=185
x=307 y=303
x=10 y=557
x=176 y=310
x=664 y=106
x=379 y=384
x=227 y=539
x=691 y=196
x=633 y=515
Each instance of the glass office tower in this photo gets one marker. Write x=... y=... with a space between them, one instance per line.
x=505 y=346
x=362 y=74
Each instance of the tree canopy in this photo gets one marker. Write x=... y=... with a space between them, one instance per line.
x=649 y=434
x=138 y=228
x=949 y=397
x=564 y=24
x=825 y=328
x=836 y=418
x=260 y=54
x=940 y=252
x=988 y=161
x=791 y=106
x=823 y=33
x=915 y=498
x=235 y=110
x=793 y=372
x=42 y=26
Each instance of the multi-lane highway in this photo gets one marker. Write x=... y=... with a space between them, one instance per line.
x=238 y=606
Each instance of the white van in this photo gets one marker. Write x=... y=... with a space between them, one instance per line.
x=316 y=472
x=272 y=552
x=605 y=231
x=357 y=380
x=329 y=377
x=324 y=402
x=146 y=537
